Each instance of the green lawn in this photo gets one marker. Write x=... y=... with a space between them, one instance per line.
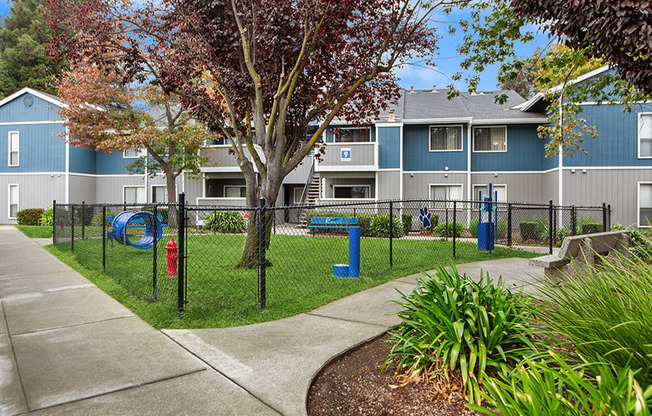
x=220 y=295
x=35 y=231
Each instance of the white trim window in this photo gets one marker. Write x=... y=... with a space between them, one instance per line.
x=644 y=204
x=13 y=156
x=645 y=135
x=134 y=194
x=159 y=194
x=352 y=191
x=133 y=153
x=13 y=199
x=490 y=139
x=446 y=192
x=297 y=193
x=352 y=134
x=501 y=189
x=235 y=191
x=446 y=138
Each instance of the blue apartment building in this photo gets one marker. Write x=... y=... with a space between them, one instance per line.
x=424 y=147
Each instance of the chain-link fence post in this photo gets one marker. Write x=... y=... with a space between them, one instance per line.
x=454 y=227
x=550 y=215
x=604 y=216
x=573 y=221
x=391 y=234
x=154 y=255
x=54 y=221
x=261 y=254
x=509 y=225
x=103 y=238
x=181 y=251
x=83 y=219
x=72 y=229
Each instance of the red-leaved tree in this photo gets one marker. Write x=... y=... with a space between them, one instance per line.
x=259 y=72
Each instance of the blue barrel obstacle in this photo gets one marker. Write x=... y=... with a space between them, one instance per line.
x=129 y=219
x=348 y=223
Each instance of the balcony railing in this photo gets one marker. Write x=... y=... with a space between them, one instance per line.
x=349 y=157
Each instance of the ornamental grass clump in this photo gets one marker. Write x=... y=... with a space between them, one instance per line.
x=550 y=387
x=603 y=311
x=452 y=323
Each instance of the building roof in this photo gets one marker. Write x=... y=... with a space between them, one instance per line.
x=53 y=99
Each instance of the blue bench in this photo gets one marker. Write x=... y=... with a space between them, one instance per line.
x=349 y=223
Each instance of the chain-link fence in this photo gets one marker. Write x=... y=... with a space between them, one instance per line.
x=224 y=258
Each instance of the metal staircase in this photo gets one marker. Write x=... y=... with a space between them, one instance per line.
x=311 y=194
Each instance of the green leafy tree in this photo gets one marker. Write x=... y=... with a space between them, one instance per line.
x=23 y=38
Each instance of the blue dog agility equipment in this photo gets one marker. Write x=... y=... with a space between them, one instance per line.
x=349 y=223
x=129 y=219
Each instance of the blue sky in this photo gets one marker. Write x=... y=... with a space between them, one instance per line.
x=448 y=60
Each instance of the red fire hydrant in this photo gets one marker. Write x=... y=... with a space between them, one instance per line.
x=172 y=256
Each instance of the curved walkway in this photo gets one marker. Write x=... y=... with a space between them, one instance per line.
x=68 y=348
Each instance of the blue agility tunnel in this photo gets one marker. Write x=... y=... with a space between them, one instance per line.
x=129 y=219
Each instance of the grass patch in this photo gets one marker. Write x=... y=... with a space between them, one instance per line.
x=35 y=231
x=221 y=295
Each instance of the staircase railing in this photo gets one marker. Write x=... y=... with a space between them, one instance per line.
x=306 y=187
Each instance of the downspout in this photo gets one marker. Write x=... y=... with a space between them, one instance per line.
x=561 y=152
x=67 y=175
x=469 y=191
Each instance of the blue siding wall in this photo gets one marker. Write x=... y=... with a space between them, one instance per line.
x=16 y=111
x=525 y=151
x=41 y=148
x=82 y=160
x=417 y=156
x=389 y=147
x=331 y=139
x=111 y=164
x=617 y=144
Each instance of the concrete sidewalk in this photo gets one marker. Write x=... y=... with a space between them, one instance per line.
x=68 y=348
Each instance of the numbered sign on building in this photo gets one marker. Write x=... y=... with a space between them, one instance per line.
x=345 y=154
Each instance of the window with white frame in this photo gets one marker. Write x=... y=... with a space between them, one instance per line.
x=13 y=201
x=352 y=134
x=446 y=192
x=159 y=194
x=644 y=204
x=445 y=138
x=235 y=191
x=14 y=148
x=133 y=153
x=297 y=194
x=501 y=189
x=490 y=139
x=645 y=134
x=351 y=191
x=134 y=195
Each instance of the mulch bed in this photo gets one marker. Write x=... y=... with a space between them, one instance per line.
x=355 y=384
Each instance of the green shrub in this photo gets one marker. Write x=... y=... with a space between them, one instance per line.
x=455 y=322
x=407 y=223
x=473 y=227
x=541 y=388
x=29 y=216
x=445 y=229
x=592 y=228
x=380 y=226
x=603 y=311
x=535 y=228
x=364 y=222
x=47 y=218
x=225 y=222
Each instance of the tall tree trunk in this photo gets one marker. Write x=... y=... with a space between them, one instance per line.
x=269 y=190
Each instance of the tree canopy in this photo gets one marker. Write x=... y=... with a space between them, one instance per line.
x=23 y=37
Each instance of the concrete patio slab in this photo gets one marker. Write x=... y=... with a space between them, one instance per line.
x=38 y=311
x=74 y=363
x=276 y=361
x=18 y=285
x=202 y=393
x=11 y=392
x=358 y=308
